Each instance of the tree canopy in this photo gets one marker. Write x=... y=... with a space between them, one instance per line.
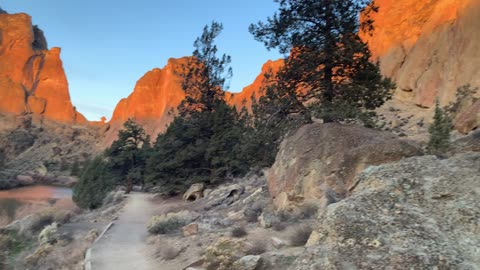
x=328 y=69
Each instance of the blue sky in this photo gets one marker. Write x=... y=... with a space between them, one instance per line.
x=108 y=45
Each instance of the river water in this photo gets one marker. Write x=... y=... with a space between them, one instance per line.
x=20 y=202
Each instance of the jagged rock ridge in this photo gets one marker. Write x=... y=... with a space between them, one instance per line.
x=158 y=93
x=32 y=79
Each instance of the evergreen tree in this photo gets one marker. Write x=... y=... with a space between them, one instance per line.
x=329 y=64
x=200 y=144
x=128 y=154
x=439 y=131
x=93 y=185
x=205 y=75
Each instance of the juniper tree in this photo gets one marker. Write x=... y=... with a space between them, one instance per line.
x=93 y=185
x=127 y=155
x=199 y=145
x=205 y=74
x=328 y=64
x=439 y=131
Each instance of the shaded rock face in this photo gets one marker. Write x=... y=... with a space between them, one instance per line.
x=429 y=51
x=32 y=79
x=320 y=162
x=418 y=213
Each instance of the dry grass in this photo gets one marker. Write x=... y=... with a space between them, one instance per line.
x=169 y=223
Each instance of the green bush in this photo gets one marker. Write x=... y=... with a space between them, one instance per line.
x=94 y=185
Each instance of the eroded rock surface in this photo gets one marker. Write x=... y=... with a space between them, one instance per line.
x=429 y=48
x=320 y=161
x=418 y=213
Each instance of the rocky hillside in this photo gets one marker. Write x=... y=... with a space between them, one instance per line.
x=32 y=79
x=41 y=133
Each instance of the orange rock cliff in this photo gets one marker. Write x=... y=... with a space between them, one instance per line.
x=430 y=48
x=159 y=92
x=32 y=79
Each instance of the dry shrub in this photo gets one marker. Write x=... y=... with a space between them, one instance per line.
x=48 y=216
x=169 y=223
x=222 y=254
x=255 y=210
x=238 y=232
x=256 y=247
x=279 y=226
x=299 y=235
x=308 y=210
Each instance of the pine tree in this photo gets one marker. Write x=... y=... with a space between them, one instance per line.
x=439 y=131
x=205 y=75
x=93 y=185
x=128 y=154
x=200 y=145
x=328 y=66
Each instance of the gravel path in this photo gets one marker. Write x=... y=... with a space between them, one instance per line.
x=124 y=245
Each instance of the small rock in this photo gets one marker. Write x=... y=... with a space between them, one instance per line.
x=249 y=262
x=194 y=193
x=190 y=229
x=277 y=242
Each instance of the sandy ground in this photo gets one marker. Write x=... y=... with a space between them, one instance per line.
x=124 y=245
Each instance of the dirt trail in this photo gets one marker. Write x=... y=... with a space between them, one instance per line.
x=124 y=245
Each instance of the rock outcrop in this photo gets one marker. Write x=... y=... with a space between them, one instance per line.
x=260 y=83
x=43 y=150
x=158 y=93
x=430 y=49
x=153 y=101
x=418 y=213
x=320 y=161
x=32 y=79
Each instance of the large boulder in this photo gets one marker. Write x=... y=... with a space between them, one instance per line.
x=320 y=161
x=194 y=193
x=418 y=213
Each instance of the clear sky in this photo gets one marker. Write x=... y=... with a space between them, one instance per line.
x=107 y=45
